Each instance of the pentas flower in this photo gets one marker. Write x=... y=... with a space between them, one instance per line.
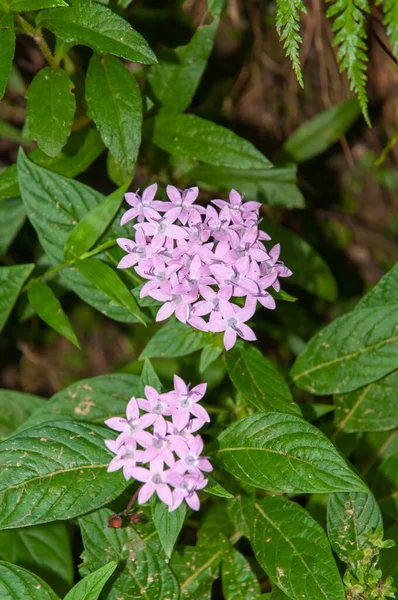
x=163 y=438
x=198 y=261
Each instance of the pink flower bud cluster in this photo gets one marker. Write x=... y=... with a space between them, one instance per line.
x=159 y=430
x=198 y=260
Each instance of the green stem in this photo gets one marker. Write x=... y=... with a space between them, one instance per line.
x=391 y=143
x=37 y=35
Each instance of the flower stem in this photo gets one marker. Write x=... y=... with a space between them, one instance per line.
x=38 y=37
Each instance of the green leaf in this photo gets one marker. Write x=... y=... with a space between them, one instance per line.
x=276 y=186
x=7 y=48
x=98 y=27
x=114 y=103
x=256 y=378
x=22 y=5
x=46 y=304
x=383 y=293
x=15 y=409
x=209 y=354
x=105 y=279
x=215 y=489
x=389 y=556
x=9 y=187
x=141 y=572
x=12 y=217
x=149 y=377
x=50 y=109
x=199 y=139
x=318 y=134
x=351 y=518
x=371 y=408
x=93 y=224
x=91 y=586
x=55 y=471
x=168 y=524
x=283 y=453
x=238 y=580
x=174 y=339
x=175 y=79
x=11 y=282
x=43 y=549
x=390 y=21
x=316 y=278
x=312 y=412
x=195 y=569
x=89 y=400
x=353 y=350
x=293 y=550
x=388 y=490
x=54 y=205
x=14 y=582
x=115 y=171
x=288 y=28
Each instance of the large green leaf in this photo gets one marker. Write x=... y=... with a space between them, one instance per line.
x=174 y=339
x=387 y=491
x=383 y=293
x=389 y=556
x=196 y=568
x=54 y=205
x=91 y=586
x=199 y=139
x=283 y=453
x=100 y=28
x=322 y=131
x=50 y=109
x=277 y=187
x=238 y=580
x=352 y=517
x=168 y=524
x=175 y=79
x=293 y=550
x=141 y=573
x=46 y=304
x=316 y=278
x=89 y=400
x=14 y=583
x=7 y=48
x=11 y=282
x=114 y=103
x=43 y=549
x=12 y=217
x=93 y=224
x=22 y=5
x=371 y=408
x=258 y=380
x=55 y=471
x=353 y=350
x=15 y=409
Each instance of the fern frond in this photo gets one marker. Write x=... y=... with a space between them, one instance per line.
x=391 y=22
x=288 y=27
x=351 y=38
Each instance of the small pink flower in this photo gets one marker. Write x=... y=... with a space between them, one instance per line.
x=185 y=489
x=186 y=402
x=126 y=457
x=233 y=322
x=191 y=459
x=133 y=426
x=155 y=481
x=143 y=207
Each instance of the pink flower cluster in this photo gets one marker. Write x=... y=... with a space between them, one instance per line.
x=170 y=448
x=198 y=260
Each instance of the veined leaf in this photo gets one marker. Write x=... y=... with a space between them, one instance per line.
x=55 y=471
x=383 y=293
x=141 y=572
x=14 y=582
x=238 y=580
x=43 y=549
x=50 y=110
x=283 y=453
x=351 y=518
x=11 y=282
x=168 y=524
x=114 y=103
x=105 y=279
x=371 y=408
x=199 y=139
x=100 y=28
x=195 y=569
x=22 y=5
x=276 y=186
x=93 y=224
x=209 y=354
x=54 y=205
x=387 y=491
x=353 y=350
x=293 y=549
x=48 y=307
x=90 y=400
x=258 y=380
x=322 y=131
x=7 y=49
x=15 y=409
x=149 y=377
x=389 y=556
x=215 y=489
x=91 y=586
x=174 y=339
x=12 y=217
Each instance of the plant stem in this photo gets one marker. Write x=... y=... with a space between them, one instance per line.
x=37 y=35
